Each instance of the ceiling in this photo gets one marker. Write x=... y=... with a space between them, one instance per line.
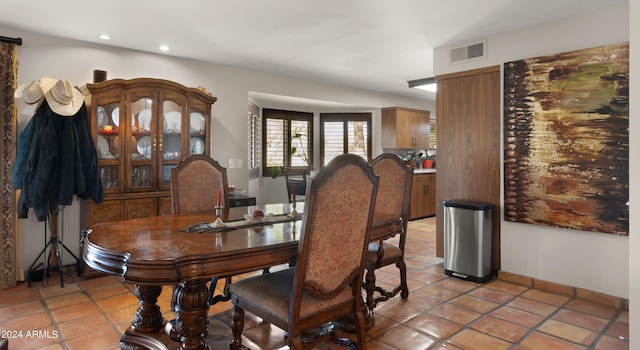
x=376 y=45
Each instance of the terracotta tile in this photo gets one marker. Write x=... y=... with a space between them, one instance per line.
x=545 y=297
x=618 y=330
x=471 y=339
x=98 y=282
x=516 y=279
x=35 y=321
x=84 y=325
x=406 y=338
x=54 y=290
x=444 y=346
x=592 y=308
x=118 y=301
x=103 y=339
x=611 y=343
x=424 y=277
x=542 y=341
x=438 y=292
x=19 y=310
x=554 y=287
x=581 y=319
x=107 y=291
x=434 y=326
x=567 y=331
x=74 y=311
x=532 y=306
x=475 y=304
x=382 y=325
x=457 y=285
x=506 y=287
x=624 y=317
x=599 y=298
x=500 y=329
x=66 y=300
x=397 y=310
x=18 y=295
x=457 y=314
x=378 y=345
x=517 y=316
x=492 y=295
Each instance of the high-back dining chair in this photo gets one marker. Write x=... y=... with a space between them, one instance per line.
x=195 y=183
x=325 y=285
x=394 y=197
x=296 y=177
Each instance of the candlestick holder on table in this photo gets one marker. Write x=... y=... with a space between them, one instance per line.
x=293 y=212
x=219 y=222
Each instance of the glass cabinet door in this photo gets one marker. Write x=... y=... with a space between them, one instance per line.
x=197 y=132
x=171 y=139
x=143 y=143
x=109 y=144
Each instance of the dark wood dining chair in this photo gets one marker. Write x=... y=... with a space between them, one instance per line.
x=296 y=176
x=195 y=183
x=325 y=285
x=394 y=197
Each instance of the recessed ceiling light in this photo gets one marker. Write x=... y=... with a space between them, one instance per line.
x=164 y=48
x=105 y=37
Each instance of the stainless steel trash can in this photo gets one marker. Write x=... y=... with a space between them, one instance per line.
x=467 y=239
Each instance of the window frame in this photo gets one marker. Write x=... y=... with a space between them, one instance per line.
x=345 y=118
x=288 y=116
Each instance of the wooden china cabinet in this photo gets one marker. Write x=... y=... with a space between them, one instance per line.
x=142 y=128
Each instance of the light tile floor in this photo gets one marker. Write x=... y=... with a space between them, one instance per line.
x=92 y=312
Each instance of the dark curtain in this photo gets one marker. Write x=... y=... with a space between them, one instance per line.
x=8 y=120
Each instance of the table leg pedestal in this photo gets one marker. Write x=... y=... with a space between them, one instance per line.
x=192 y=307
x=147 y=322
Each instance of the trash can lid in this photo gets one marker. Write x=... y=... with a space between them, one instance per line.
x=467 y=204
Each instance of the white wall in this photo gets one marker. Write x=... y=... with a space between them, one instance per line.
x=594 y=261
x=41 y=56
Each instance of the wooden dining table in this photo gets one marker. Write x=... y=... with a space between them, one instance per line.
x=155 y=251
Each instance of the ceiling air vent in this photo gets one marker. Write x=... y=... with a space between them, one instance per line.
x=468 y=52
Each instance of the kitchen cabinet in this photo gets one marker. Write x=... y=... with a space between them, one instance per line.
x=142 y=129
x=405 y=128
x=423 y=196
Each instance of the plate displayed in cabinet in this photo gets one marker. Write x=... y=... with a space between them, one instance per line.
x=197 y=122
x=144 y=146
x=172 y=121
x=144 y=120
x=196 y=145
x=103 y=147
x=115 y=116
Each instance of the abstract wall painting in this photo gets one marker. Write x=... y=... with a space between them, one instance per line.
x=566 y=140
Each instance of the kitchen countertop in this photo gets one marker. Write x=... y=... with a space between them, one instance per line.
x=424 y=171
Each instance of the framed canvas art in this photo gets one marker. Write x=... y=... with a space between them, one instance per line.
x=566 y=140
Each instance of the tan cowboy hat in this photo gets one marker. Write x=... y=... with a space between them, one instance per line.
x=29 y=96
x=64 y=99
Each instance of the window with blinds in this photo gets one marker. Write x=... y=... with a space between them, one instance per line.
x=432 y=134
x=287 y=139
x=255 y=141
x=345 y=133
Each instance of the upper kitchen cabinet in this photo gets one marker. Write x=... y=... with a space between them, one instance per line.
x=142 y=129
x=405 y=128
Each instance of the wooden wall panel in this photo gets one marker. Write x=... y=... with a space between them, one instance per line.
x=468 y=161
